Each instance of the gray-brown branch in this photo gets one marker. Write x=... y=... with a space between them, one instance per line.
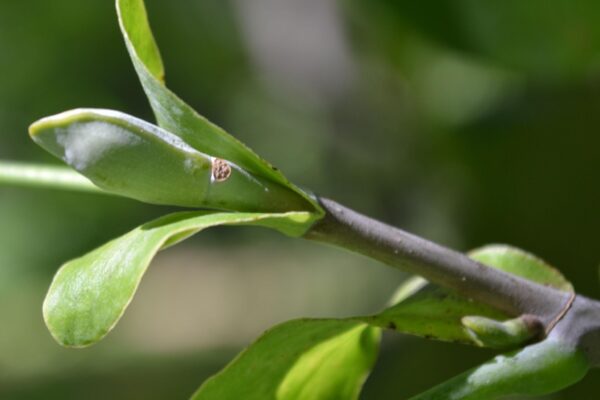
x=348 y=229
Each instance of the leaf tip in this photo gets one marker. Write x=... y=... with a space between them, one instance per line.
x=43 y=125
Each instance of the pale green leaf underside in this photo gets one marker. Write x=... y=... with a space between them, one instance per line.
x=89 y=294
x=176 y=116
x=130 y=157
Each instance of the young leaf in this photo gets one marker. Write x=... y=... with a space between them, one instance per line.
x=435 y=312
x=311 y=359
x=90 y=294
x=176 y=116
x=535 y=370
x=44 y=176
x=301 y=359
x=133 y=158
x=521 y=263
x=488 y=332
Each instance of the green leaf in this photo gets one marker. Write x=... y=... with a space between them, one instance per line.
x=488 y=332
x=521 y=263
x=133 y=16
x=313 y=359
x=435 y=312
x=90 y=294
x=301 y=359
x=127 y=156
x=535 y=370
x=176 y=116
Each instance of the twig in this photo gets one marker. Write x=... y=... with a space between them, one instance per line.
x=44 y=176
x=348 y=229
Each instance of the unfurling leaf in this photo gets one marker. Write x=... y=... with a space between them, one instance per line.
x=488 y=332
x=127 y=156
x=175 y=116
x=310 y=359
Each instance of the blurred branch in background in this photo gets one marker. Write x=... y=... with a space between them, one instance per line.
x=298 y=45
x=44 y=176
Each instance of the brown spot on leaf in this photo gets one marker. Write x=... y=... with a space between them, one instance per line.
x=221 y=170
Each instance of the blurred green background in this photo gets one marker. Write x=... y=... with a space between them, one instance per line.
x=463 y=121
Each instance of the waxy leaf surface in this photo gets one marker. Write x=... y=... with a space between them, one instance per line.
x=301 y=359
x=90 y=294
x=174 y=115
x=127 y=156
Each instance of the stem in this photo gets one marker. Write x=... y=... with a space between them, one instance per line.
x=44 y=176
x=348 y=229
